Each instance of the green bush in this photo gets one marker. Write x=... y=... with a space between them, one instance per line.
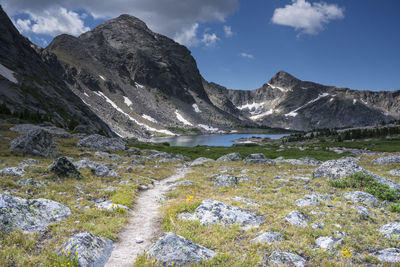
x=394 y=207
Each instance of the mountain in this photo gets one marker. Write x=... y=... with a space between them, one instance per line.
x=29 y=82
x=138 y=81
x=287 y=102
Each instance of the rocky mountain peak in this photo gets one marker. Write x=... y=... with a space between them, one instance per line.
x=284 y=80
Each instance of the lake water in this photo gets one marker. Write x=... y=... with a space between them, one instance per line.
x=210 y=140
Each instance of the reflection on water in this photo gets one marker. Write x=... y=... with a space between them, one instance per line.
x=210 y=140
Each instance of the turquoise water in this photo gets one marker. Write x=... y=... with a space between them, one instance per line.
x=210 y=140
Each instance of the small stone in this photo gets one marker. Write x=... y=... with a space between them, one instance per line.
x=297 y=218
x=391 y=230
x=311 y=200
x=268 y=237
x=13 y=171
x=225 y=180
x=318 y=226
x=139 y=240
x=361 y=197
x=362 y=211
x=286 y=258
x=328 y=242
x=391 y=255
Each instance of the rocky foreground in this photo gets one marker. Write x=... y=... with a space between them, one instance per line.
x=65 y=199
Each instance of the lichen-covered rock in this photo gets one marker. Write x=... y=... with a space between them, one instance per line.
x=216 y=212
x=311 y=200
x=98 y=142
x=133 y=151
x=201 y=161
x=391 y=255
x=29 y=182
x=30 y=215
x=63 y=167
x=328 y=242
x=174 y=248
x=297 y=218
x=90 y=250
x=387 y=160
x=36 y=142
x=391 y=230
x=268 y=237
x=97 y=168
x=225 y=180
x=28 y=163
x=362 y=211
x=336 y=169
x=258 y=159
x=286 y=258
x=302 y=161
x=108 y=205
x=13 y=171
x=105 y=155
x=361 y=197
x=230 y=157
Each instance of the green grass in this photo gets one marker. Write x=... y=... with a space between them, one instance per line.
x=378 y=144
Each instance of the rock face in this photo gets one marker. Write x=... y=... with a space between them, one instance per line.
x=387 y=160
x=361 y=197
x=286 y=259
x=328 y=242
x=258 y=159
x=174 y=248
x=391 y=230
x=63 y=167
x=268 y=237
x=225 y=180
x=216 y=212
x=98 y=142
x=37 y=142
x=297 y=218
x=230 y=157
x=13 y=171
x=311 y=200
x=391 y=255
x=92 y=251
x=31 y=215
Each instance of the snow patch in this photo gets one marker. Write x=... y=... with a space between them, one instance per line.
x=182 y=119
x=138 y=85
x=234 y=131
x=256 y=117
x=354 y=101
x=196 y=108
x=127 y=101
x=330 y=100
x=252 y=106
x=130 y=117
x=8 y=74
x=149 y=118
x=208 y=128
x=364 y=102
x=277 y=87
x=85 y=94
x=294 y=112
x=101 y=77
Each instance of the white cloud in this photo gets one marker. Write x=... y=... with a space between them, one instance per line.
x=23 y=25
x=188 y=36
x=228 y=31
x=306 y=17
x=168 y=17
x=209 y=39
x=245 y=55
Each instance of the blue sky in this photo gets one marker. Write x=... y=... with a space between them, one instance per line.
x=242 y=44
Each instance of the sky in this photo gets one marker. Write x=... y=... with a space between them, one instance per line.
x=241 y=44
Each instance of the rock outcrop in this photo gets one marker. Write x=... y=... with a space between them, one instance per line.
x=98 y=142
x=37 y=142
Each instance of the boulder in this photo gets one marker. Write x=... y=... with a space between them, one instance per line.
x=133 y=151
x=230 y=157
x=97 y=168
x=13 y=171
x=362 y=211
x=29 y=182
x=89 y=250
x=105 y=155
x=391 y=230
x=328 y=242
x=286 y=259
x=394 y=172
x=28 y=163
x=99 y=142
x=201 y=161
x=302 y=161
x=225 y=180
x=216 y=212
x=268 y=237
x=36 y=142
x=361 y=197
x=391 y=255
x=258 y=159
x=108 y=205
x=311 y=200
x=63 y=167
x=336 y=169
x=30 y=215
x=297 y=218
x=394 y=159
x=174 y=248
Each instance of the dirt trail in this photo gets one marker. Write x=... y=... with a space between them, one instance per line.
x=144 y=224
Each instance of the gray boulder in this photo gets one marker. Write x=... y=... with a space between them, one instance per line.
x=391 y=255
x=201 y=161
x=302 y=161
x=286 y=259
x=387 y=160
x=30 y=215
x=361 y=197
x=328 y=242
x=258 y=159
x=311 y=200
x=97 y=168
x=297 y=218
x=28 y=163
x=29 y=182
x=268 y=237
x=105 y=155
x=391 y=230
x=394 y=172
x=216 y=212
x=133 y=151
x=13 y=171
x=63 y=167
x=99 y=142
x=230 y=157
x=336 y=169
x=108 y=205
x=90 y=250
x=174 y=248
x=225 y=180
x=37 y=142
x=362 y=211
